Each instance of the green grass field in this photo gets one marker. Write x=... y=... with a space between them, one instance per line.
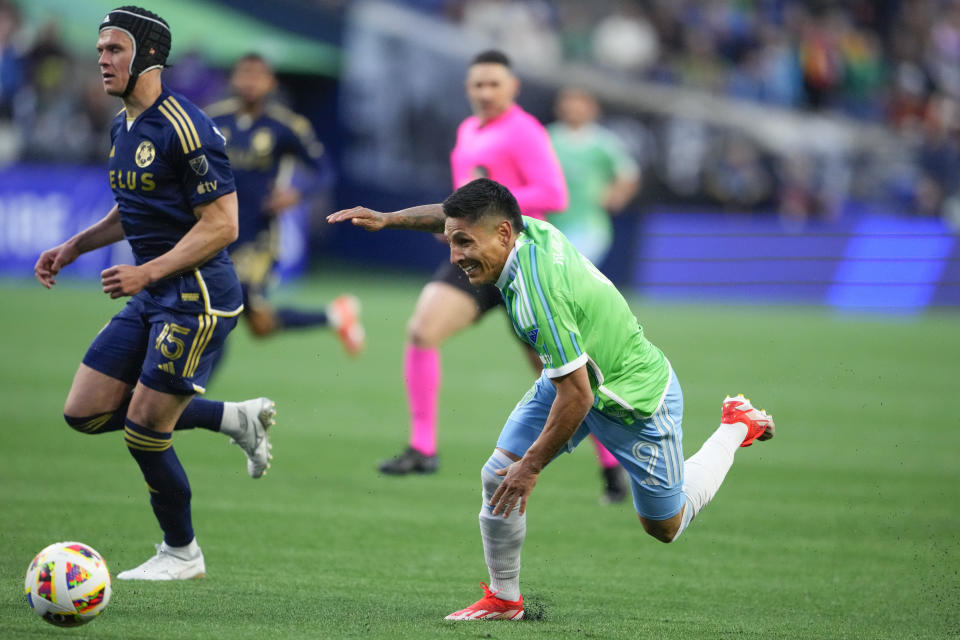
x=844 y=526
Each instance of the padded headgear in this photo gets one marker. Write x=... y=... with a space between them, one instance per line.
x=150 y=35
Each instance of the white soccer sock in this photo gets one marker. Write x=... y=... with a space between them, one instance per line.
x=502 y=537
x=230 y=422
x=187 y=552
x=704 y=471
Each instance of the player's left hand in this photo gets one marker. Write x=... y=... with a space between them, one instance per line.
x=514 y=491
x=281 y=199
x=124 y=280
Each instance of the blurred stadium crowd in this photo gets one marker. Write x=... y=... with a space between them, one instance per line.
x=53 y=109
x=894 y=64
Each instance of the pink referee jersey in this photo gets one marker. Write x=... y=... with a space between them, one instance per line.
x=513 y=149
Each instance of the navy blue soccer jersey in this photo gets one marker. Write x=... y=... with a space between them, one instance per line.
x=256 y=147
x=165 y=163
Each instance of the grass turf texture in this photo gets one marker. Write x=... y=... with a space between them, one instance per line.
x=844 y=526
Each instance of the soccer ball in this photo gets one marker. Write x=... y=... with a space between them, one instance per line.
x=67 y=584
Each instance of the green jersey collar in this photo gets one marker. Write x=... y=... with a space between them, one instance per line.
x=510 y=266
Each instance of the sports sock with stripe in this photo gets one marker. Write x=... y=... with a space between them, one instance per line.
x=102 y=423
x=199 y=414
x=166 y=480
x=202 y=414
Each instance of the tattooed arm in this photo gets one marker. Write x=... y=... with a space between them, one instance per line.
x=427 y=217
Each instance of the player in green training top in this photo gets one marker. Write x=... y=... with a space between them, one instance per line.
x=601 y=375
x=601 y=175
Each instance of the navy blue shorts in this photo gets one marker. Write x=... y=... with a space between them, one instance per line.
x=166 y=350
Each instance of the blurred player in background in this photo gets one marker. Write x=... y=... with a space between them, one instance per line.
x=601 y=175
x=505 y=143
x=601 y=376
x=177 y=207
x=601 y=179
x=264 y=142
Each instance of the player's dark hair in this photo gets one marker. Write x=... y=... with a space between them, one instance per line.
x=253 y=56
x=491 y=56
x=483 y=199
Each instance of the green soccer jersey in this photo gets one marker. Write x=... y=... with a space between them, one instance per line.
x=591 y=157
x=572 y=315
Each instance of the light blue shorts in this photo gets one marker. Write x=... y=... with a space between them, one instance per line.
x=651 y=449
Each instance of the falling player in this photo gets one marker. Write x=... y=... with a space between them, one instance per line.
x=601 y=376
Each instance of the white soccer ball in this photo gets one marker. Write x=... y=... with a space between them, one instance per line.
x=68 y=584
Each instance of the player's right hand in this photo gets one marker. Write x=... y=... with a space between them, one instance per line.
x=51 y=261
x=514 y=491
x=361 y=217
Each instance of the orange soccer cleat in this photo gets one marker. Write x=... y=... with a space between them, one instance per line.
x=344 y=313
x=490 y=607
x=759 y=425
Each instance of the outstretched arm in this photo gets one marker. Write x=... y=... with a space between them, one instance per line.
x=216 y=227
x=105 y=231
x=426 y=217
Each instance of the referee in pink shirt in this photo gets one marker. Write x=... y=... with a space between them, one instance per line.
x=502 y=142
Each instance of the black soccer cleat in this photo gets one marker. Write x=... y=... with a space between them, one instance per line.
x=410 y=461
x=614 y=485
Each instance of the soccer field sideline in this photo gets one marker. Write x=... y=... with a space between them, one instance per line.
x=843 y=526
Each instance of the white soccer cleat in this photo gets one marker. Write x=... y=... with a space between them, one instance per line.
x=256 y=417
x=167 y=566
